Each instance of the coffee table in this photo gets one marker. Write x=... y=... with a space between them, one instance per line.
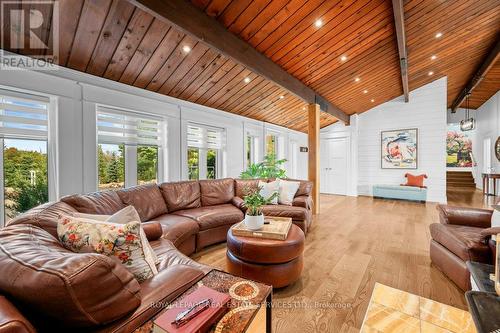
x=250 y=305
x=275 y=262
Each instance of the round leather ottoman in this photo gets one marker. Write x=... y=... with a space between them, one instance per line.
x=275 y=262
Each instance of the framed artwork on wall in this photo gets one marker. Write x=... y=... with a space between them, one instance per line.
x=399 y=149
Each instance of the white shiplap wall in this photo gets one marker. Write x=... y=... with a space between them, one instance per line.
x=425 y=111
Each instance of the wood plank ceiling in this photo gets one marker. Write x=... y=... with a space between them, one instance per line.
x=350 y=58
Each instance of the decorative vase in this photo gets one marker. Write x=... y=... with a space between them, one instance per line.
x=254 y=222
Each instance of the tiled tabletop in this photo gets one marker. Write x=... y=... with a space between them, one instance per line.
x=393 y=311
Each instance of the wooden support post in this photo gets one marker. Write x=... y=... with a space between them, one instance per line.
x=313 y=134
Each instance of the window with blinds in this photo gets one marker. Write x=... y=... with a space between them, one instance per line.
x=121 y=127
x=204 y=137
x=23 y=116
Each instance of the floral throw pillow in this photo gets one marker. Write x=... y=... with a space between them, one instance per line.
x=118 y=241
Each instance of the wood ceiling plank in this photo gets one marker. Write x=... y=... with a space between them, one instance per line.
x=221 y=84
x=68 y=22
x=258 y=88
x=262 y=18
x=207 y=74
x=189 y=61
x=195 y=72
x=233 y=11
x=247 y=16
x=242 y=93
x=233 y=87
x=159 y=56
x=288 y=24
x=92 y=19
x=111 y=34
x=151 y=39
x=216 y=7
x=177 y=56
x=486 y=89
x=213 y=78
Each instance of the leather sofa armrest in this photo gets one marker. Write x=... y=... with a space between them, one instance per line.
x=302 y=201
x=153 y=230
x=11 y=320
x=490 y=232
x=473 y=217
x=238 y=202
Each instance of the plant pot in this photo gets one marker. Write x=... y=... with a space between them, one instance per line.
x=254 y=222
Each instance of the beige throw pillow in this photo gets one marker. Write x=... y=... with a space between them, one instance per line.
x=267 y=190
x=121 y=242
x=287 y=191
x=125 y=215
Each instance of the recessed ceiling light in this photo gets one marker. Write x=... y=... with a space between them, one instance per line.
x=357 y=79
x=343 y=58
x=186 y=49
x=303 y=108
x=247 y=80
x=430 y=73
x=372 y=100
x=281 y=97
x=365 y=91
x=318 y=23
x=439 y=35
x=433 y=57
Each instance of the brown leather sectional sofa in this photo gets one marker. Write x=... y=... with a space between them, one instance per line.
x=462 y=235
x=48 y=288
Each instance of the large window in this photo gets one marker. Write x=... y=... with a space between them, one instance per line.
x=129 y=148
x=204 y=152
x=24 y=137
x=271 y=144
x=251 y=149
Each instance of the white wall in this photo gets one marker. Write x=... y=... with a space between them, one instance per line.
x=488 y=126
x=76 y=95
x=425 y=111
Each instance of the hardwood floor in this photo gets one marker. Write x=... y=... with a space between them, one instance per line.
x=354 y=243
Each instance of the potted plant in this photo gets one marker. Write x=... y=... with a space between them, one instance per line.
x=253 y=201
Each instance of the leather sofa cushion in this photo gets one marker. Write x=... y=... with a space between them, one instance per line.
x=241 y=185
x=11 y=320
x=44 y=216
x=216 y=192
x=181 y=195
x=169 y=256
x=102 y=203
x=213 y=216
x=177 y=228
x=65 y=288
x=156 y=293
x=465 y=242
x=305 y=187
x=146 y=199
x=295 y=212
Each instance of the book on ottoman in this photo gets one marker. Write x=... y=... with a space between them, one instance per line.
x=203 y=321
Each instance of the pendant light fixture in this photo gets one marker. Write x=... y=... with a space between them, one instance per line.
x=468 y=124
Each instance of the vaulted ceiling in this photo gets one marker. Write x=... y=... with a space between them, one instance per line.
x=351 y=58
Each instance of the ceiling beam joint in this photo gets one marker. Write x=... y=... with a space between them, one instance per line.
x=478 y=76
x=399 y=22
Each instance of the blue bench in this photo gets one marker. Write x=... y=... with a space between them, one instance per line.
x=400 y=192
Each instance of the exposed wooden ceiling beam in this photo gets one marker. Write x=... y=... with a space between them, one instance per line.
x=399 y=21
x=193 y=22
x=486 y=65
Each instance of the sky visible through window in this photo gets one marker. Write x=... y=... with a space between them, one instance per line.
x=27 y=145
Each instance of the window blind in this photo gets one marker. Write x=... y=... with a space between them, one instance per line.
x=200 y=136
x=23 y=115
x=115 y=126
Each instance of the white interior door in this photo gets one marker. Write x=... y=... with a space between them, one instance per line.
x=334 y=153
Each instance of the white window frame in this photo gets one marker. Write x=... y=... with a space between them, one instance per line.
x=203 y=151
x=52 y=157
x=254 y=148
x=130 y=151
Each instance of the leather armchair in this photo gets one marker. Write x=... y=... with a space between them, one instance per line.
x=459 y=238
